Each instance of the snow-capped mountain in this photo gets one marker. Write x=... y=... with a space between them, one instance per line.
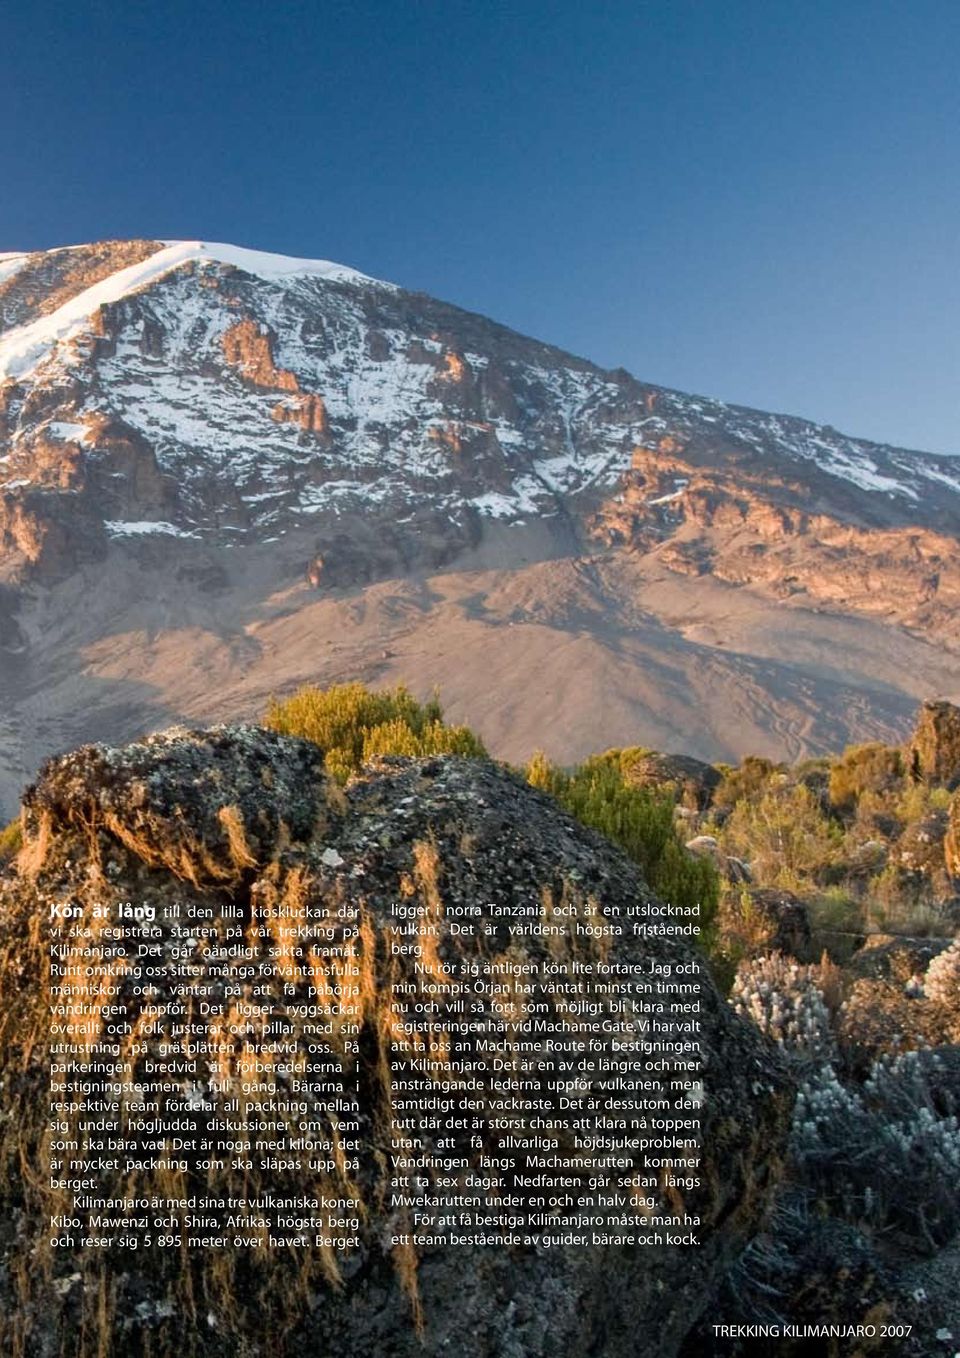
x=213 y=392
x=182 y=420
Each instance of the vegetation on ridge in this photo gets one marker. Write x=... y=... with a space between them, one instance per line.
x=641 y=821
x=352 y=723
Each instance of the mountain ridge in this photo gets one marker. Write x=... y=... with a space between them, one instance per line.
x=261 y=472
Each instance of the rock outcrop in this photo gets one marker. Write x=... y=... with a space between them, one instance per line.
x=935 y=745
x=243 y=827
x=691 y=781
x=715 y=510
x=951 y=841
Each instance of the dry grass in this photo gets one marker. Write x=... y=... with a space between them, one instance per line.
x=231 y=819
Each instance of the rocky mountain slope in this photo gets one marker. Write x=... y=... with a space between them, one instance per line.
x=223 y=473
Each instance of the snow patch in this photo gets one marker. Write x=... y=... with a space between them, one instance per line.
x=67 y=432
x=935 y=475
x=269 y=266
x=122 y=528
x=22 y=348
x=10 y=264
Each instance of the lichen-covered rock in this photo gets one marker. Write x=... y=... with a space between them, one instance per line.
x=690 y=781
x=935 y=744
x=206 y=806
x=241 y=828
x=951 y=839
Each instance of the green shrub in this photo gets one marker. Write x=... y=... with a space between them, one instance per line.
x=784 y=835
x=836 y=921
x=747 y=780
x=352 y=723
x=641 y=821
x=901 y=902
x=864 y=768
x=11 y=838
x=917 y=800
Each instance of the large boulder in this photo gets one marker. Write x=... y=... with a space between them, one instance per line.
x=951 y=840
x=935 y=744
x=240 y=829
x=689 y=781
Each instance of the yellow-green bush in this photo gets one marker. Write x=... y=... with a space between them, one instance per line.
x=917 y=800
x=748 y=779
x=784 y=835
x=864 y=768
x=900 y=902
x=11 y=839
x=351 y=723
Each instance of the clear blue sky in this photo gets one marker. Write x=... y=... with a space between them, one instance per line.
x=756 y=199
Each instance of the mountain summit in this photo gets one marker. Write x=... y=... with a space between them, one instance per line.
x=224 y=472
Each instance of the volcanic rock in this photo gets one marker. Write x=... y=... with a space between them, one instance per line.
x=241 y=828
x=935 y=744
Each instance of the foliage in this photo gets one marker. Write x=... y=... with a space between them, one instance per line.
x=352 y=724
x=784 y=835
x=886 y=1154
x=640 y=820
x=900 y=902
x=864 y=768
x=785 y=1000
x=942 y=981
x=11 y=838
x=747 y=780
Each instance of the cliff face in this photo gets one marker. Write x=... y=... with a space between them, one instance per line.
x=216 y=441
x=240 y=828
x=763 y=525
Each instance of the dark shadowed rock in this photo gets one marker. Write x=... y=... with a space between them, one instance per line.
x=898 y=960
x=244 y=824
x=891 y=1006
x=761 y=920
x=690 y=781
